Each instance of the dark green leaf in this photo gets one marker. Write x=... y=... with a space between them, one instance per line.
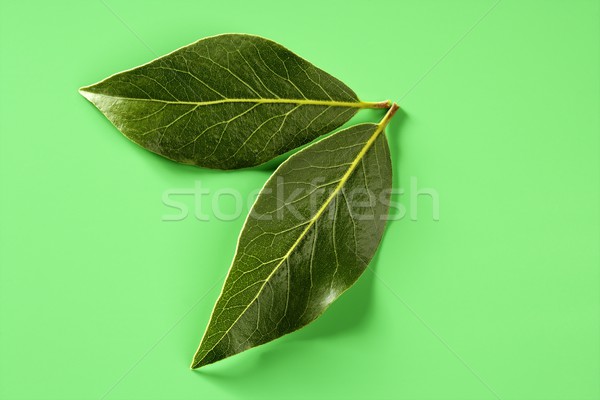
x=228 y=101
x=309 y=236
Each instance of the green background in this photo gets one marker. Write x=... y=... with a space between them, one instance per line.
x=499 y=299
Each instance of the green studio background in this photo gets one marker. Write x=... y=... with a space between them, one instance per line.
x=495 y=297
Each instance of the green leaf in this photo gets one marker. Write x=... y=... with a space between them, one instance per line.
x=310 y=234
x=227 y=101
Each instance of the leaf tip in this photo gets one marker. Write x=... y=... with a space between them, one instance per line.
x=196 y=364
x=202 y=359
x=83 y=91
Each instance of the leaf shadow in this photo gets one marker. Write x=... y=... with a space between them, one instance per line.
x=394 y=140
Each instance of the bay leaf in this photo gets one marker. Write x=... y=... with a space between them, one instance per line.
x=227 y=101
x=310 y=234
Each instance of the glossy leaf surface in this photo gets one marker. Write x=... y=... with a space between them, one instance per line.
x=310 y=234
x=227 y=101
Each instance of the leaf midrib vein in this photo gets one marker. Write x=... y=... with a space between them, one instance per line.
x=331 y=103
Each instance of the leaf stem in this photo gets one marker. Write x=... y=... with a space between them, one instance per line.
x=388 y=116
x=379 y=104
